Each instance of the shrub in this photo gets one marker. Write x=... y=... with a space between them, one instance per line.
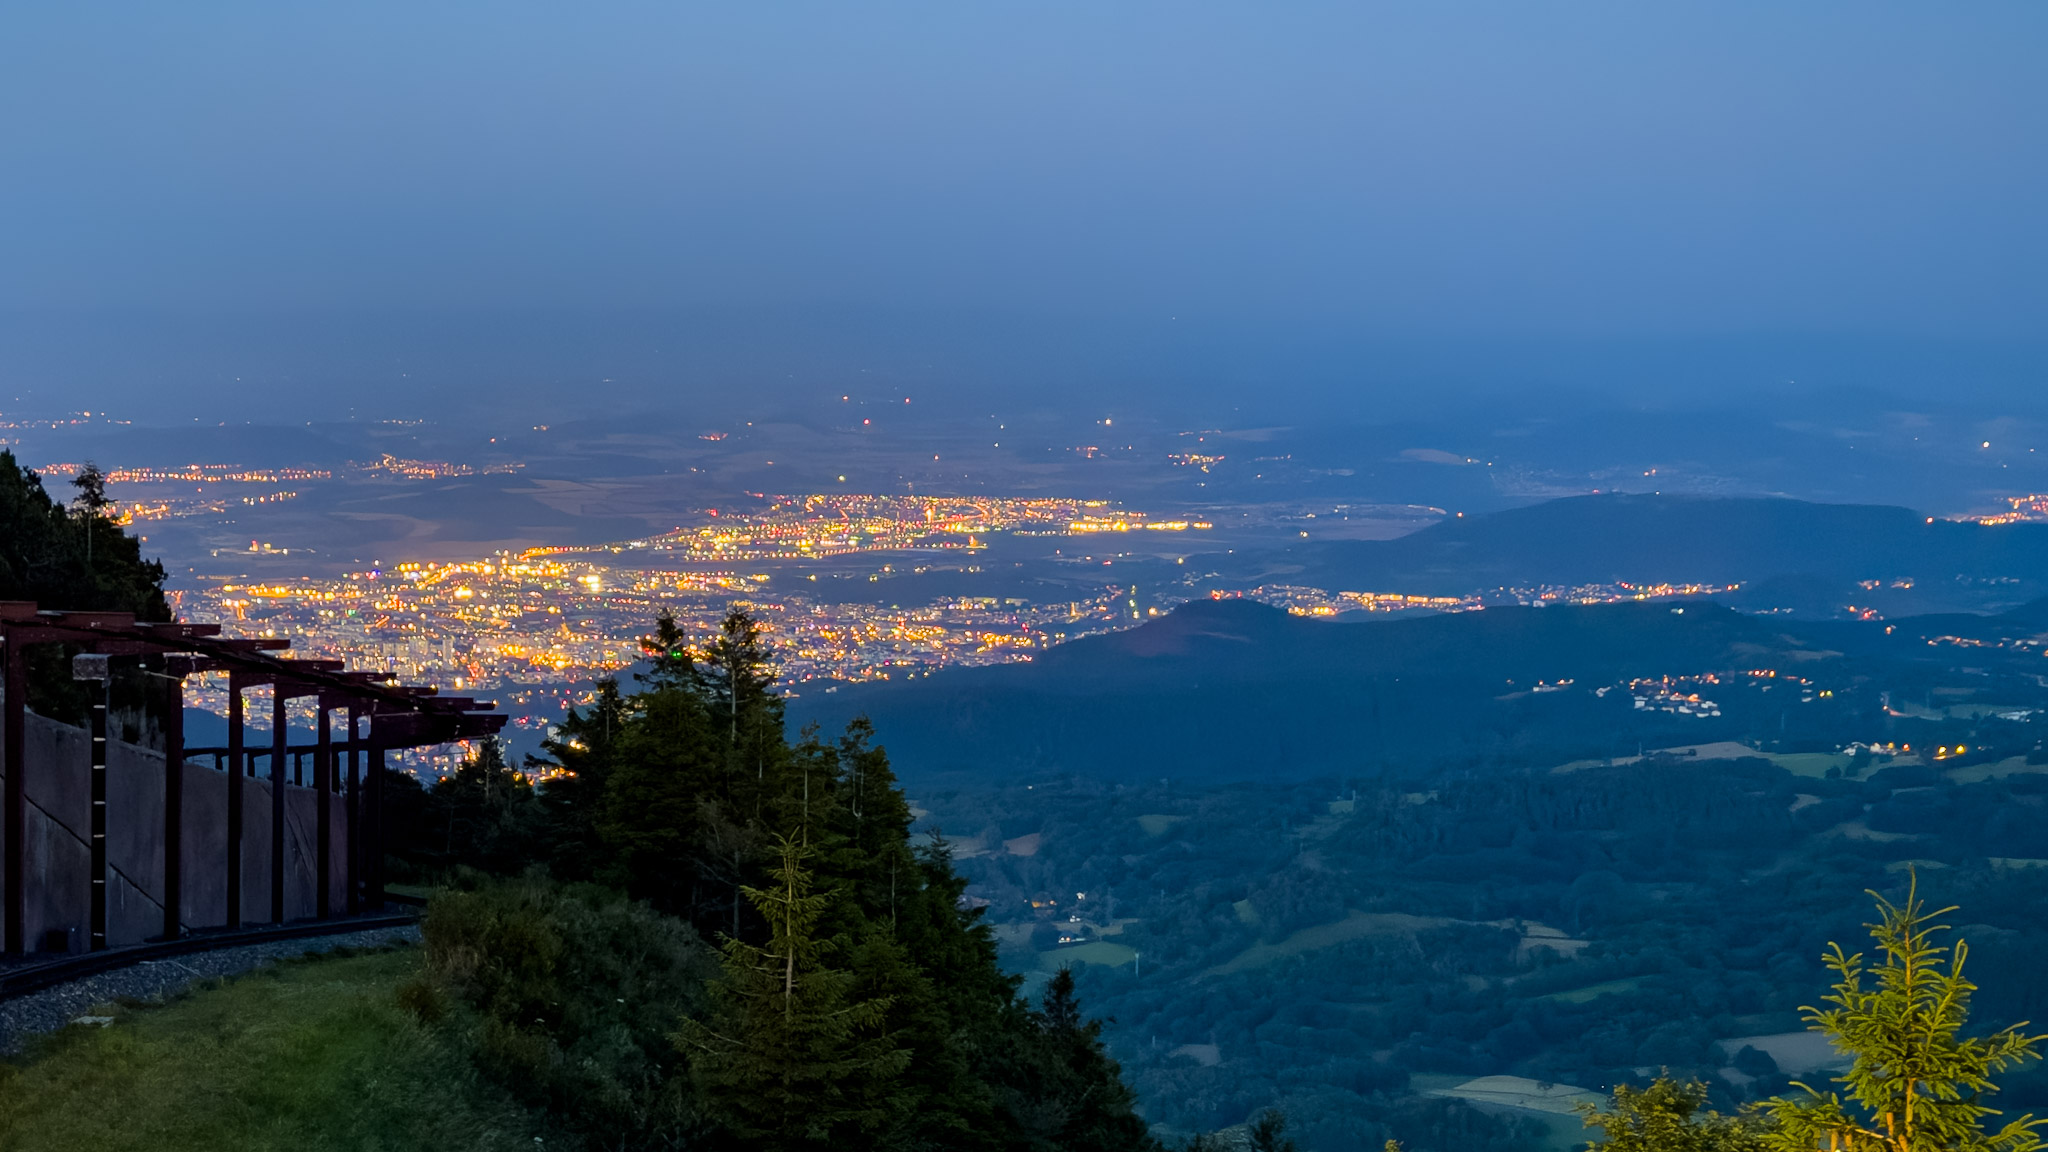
x=566 y=995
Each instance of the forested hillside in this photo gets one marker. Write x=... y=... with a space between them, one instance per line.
x=71 y=557
x=707 y=934
x=1444 y=949
x=1359 y=950
x=1233 y=690
x=1348 y=870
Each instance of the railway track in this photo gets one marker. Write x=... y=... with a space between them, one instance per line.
x=22 y=979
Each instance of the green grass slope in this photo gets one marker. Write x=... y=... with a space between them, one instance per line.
x=304 y=1057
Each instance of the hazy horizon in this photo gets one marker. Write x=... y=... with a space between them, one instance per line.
x=1340 y=209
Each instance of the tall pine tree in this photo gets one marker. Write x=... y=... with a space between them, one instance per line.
x=890 y=1006
x=792 y=1057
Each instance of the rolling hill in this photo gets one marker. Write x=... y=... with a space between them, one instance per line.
x=1231 y=689
x=1783 y=549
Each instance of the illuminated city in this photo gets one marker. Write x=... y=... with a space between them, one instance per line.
x=539 y=627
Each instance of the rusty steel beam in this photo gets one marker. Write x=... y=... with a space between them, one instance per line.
x=399 y=715
x=174 y=795
x=354 y=865
x=279 y=733
x=16 y=800
x=90 y=621
x=94 y=669
x=234 y=784
x=373 y=826
x=323 y=785
x=283 y=692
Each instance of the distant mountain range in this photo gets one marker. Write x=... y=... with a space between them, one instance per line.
x=1232 y=689
x=1235 y=690
x=1810 y=558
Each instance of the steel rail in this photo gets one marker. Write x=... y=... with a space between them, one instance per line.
x=22 y=979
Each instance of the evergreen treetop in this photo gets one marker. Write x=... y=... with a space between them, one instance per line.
x=1917 y=1083
x=75 y=558
x=859 y=1002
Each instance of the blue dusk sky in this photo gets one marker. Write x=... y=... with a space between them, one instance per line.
x=1187 y=187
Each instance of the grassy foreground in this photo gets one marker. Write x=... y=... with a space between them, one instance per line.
x=310 y=1055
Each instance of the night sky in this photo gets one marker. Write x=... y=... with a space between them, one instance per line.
x=1165 y=190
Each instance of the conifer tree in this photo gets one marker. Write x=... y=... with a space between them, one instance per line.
x=577 y=768
x=668 y=650
x=792 y=1057
x=1668 y=1116
x=1268 y=1133
x=484 y=812
x=737 y=678
x=1917 y=1083
x=665 y=771
x=862 y=1002
x=77 y=558
x=870 y=822
x=1077 y=1082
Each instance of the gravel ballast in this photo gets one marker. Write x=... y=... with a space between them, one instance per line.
x=153 y=981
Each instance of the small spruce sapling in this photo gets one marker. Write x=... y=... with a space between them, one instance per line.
x=1917 y=1083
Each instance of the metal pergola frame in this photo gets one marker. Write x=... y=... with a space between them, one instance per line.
x=399 y=716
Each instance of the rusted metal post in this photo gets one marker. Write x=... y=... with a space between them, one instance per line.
x=373 y=812
x=235 y=771
x=174 y=795
x=323 y=787
x=16 y=803
x=88 y=668
x=280 y=731
x=354 y=864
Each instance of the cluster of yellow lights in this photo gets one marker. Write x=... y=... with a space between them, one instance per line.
x=130 y=513
x=1389 y=601
x=133 y=511
x=837 y=524
x=1135 y=522
x=1665 y=591
x=431 y=469
x=994 y=640
x=2032 y=506
x=213 y=474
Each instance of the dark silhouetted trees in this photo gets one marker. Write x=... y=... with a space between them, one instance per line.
x=859 y=1001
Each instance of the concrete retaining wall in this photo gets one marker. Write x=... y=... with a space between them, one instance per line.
x=59 y=783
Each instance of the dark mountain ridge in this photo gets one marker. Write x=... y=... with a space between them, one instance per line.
x=1696 y=539
x=1233 y=689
